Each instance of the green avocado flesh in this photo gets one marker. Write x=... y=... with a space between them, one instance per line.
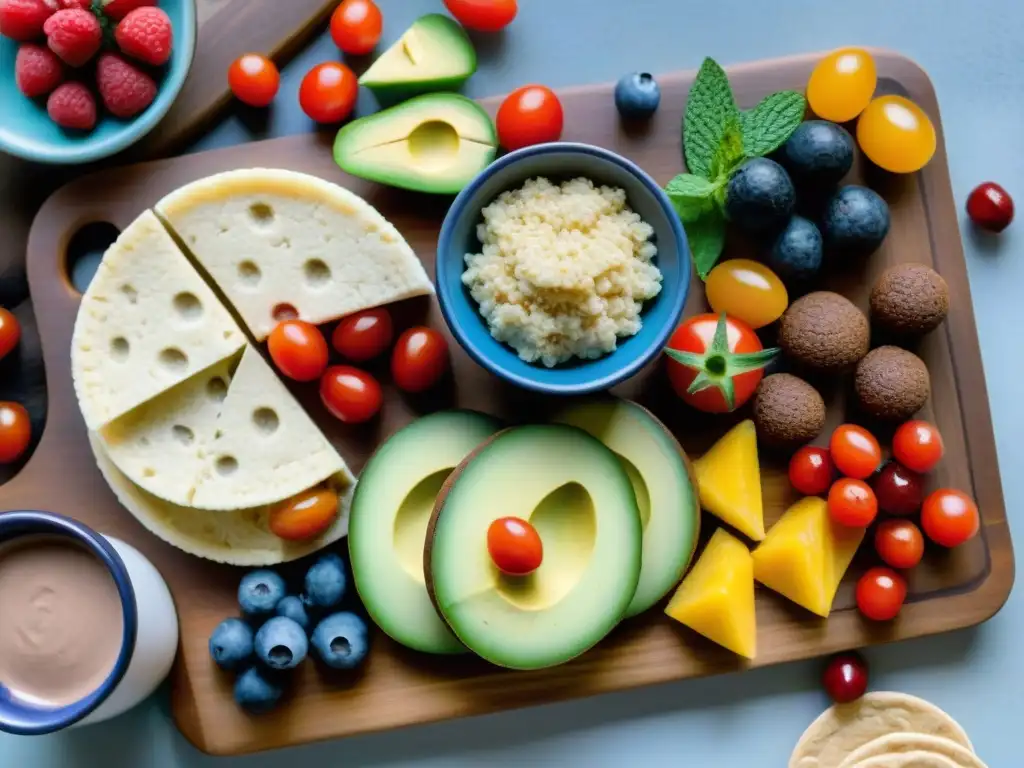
x=576 y=494
x=666 y=497
x=434 y=54
x=391 y=509
x=434 y=143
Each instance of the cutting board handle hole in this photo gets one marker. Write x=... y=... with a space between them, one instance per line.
x=85 y=251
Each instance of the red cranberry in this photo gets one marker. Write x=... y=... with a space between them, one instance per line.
x=990 y=207
x=898 y=490
x=846 y=678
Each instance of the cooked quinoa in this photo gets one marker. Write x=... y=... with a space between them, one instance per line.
x=565 y=269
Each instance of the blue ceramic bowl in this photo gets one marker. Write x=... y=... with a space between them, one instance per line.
x=27 y=131
x=560 y=161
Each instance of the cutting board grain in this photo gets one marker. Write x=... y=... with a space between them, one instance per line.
x=399 y=688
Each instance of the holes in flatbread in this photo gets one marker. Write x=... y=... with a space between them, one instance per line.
x=129 y=292
x=148 y=472
x=173 y=360
x=249 y=273
x=317 y=273
x=119 y=349
x=144 y=442
x=262 y=214
x=217 y=389
x=284 y=312
x=226 y=466
x=188 y=306
x=266 y=420
x=183 y=434
x=85 y=252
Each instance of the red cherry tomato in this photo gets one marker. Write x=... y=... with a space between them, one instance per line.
x=530 y=115
x=918 y=445
x=419 y=360
x=254 y=79
x=950 y=518
x=811 y=470
x=356 y=26
x=351 y=395
x=298 y=349
x=881 y=593
x=696 y=335
x=845 y=678
x=15 y=432
x=990 y=207
x=483 y=15
x=899 y=543
x=364 y=335
x=855 y=451
x=514 y=546
x=899 y=491
x=305 y=516
x=328 y=92
x=10 y=332
x=852 y=503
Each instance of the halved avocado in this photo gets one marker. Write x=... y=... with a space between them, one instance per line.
x=577 y=495
x=662 y=481
x=434 y=54
x=434 y=143
x=392 y=506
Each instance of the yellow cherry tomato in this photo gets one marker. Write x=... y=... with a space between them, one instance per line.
x=842 y=84
x=896 y=134
x=746 y=290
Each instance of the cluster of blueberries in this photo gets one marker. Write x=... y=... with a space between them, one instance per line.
x=276 y=631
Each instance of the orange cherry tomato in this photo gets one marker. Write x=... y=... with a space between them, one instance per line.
x=254 y=79
x=881 y=593
x=298 y=349
x=364 y=335
x=419 y=360
x=896 y=134
x=950 y=518
x=855 y=451
x=899 y=543
x=842 y=84
x=356 y=26
x=530 y=115
x=351 y=395
x=10 y=332
x=305 y=516
x=15 y=432
x=483 y=15
x=328 y=92
x=852 y=503
x=514 y=546
x=918 y=446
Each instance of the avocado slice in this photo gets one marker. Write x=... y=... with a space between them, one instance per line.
x=434 y=143
x=393 y=503
x=577 y=495
x=434 y=54
x=664 y=485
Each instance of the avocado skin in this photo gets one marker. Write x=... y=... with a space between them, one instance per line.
x=855 y=222
x=818 y=154
x=760 y=197
x=797 y=252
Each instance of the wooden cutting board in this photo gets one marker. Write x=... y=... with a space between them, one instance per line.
x=398 y=687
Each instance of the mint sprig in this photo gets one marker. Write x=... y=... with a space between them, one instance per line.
x=710 y=108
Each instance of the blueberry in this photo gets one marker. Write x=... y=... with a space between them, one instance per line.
x=818 y=154
x=341 y=640
x=293 y=608
x=231 y=644
x=260 y=592
x=257 y=691
x=325 y=582
x=760 y=196
x=855 y=222
x=281 y=643
x=637 y=96
x=796 y=254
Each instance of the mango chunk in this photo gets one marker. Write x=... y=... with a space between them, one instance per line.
x=716 y=599
x=805 y=555
x=729 y=479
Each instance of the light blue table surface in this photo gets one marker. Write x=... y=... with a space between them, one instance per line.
x=973 y=51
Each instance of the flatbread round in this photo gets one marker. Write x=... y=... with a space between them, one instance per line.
x=843 y=728
x=901 y=743
x=908 y=760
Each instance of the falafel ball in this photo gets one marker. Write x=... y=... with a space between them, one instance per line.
x=909 y=300
x=788 y=412
x=824 y=332
x=892 y=383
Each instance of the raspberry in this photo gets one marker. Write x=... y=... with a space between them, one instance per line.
x=118 y=9
x=145 y=34
x=37 y=70
x=125 y=89
x=23 y=19
x=72 y=105
x=74 y=35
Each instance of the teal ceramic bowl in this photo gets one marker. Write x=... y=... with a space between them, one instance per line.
x=27 y=131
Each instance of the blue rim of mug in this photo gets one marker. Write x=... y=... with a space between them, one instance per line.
x=21 y=718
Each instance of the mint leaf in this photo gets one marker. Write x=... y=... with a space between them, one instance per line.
x=729 y=153
x=688 y=185
x=767 y=126
x=706 y=236
x=710 y=108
